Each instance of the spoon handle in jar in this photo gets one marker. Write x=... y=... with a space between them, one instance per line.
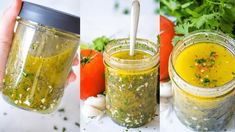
x=135 y=11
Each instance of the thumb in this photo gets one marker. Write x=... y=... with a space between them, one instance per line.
x=8 y=21
x=7 y=25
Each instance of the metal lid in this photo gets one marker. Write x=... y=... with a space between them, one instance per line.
x=50 y=17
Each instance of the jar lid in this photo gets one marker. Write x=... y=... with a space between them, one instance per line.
x=50 y=17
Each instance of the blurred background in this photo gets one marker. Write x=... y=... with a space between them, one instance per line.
x=67 y=117
x=111 y=18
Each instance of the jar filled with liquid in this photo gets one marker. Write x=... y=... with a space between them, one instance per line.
x=41 y=57
x=202 y=70
x=131 y=82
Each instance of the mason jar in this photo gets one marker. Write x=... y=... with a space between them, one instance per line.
x=131 y=82
x=41 y=57
x=200 y=108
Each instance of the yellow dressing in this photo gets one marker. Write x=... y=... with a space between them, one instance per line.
x=206 y=65
x=131 y=94
x=126 y=55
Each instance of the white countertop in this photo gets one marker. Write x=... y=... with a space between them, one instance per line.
x=105 y=124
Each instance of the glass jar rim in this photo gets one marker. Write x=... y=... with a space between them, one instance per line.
x=196 y=90
x=34 y=25
x=151 y=61
x=50 y=17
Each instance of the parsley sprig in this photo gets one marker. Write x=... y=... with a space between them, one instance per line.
x=194 y=15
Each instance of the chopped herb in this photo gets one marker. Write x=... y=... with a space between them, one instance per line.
x=212 y=62
x=65 y=118
x=200 y=61
x=192 y=66
x=126 y=11
x=198 y=76
x=212 y=54
x=116 y=5
x=104 y=93
x=55 y=128
x=34 y=46
x=214 y=81
x=61 y=110
x=64 y=129
x=206 y=81
x=26 y=74
x=233 y=73
x=77 y=124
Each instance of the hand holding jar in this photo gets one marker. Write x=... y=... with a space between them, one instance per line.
x=37 y=58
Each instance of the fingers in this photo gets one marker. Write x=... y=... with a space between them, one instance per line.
x=72 y=77
x=8 y=21
x=7 y=24
x=76 y=61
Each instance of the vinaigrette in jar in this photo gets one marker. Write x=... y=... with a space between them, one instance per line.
x=202 y=68
x=131 y=84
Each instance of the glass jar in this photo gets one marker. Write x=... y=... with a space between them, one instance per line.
x=40 y=59
x=202 y=109
x=131 y=85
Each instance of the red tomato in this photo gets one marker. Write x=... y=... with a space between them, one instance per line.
x=91 y=73
x=166 y=35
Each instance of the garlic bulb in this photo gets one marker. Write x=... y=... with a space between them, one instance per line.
x=94 y=107
x=97 y=102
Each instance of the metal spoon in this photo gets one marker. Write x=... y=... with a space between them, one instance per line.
x=135 y=12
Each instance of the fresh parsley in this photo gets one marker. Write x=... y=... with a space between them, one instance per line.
x=100 y=43
x=194 y=15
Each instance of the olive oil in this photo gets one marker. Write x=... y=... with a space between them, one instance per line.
x=131 y=94
x=126 y=55
x=206 y=65
x=38 y=83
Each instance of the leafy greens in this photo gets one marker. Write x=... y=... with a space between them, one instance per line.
x=194 y=15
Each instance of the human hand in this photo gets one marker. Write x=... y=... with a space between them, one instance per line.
x=7 y=24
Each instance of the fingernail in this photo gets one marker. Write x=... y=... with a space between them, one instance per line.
x=72 y=77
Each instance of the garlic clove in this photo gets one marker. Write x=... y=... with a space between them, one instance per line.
x=90 y=112
x=97 y=102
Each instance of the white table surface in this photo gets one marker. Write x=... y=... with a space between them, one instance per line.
x=105 y=124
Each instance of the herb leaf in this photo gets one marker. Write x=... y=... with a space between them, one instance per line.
x=100 y=43
x=201 y=14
